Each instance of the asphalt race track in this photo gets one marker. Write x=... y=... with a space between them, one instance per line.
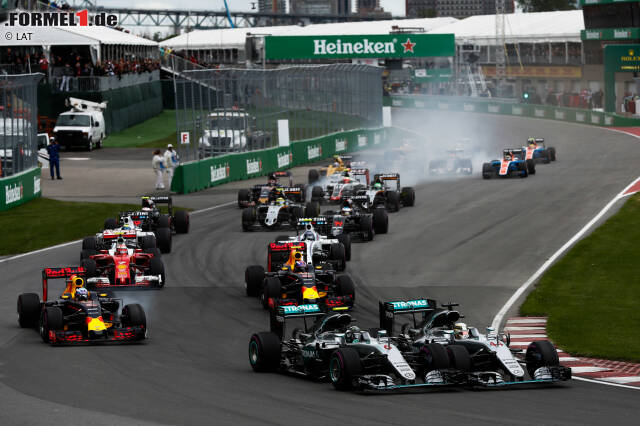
x=466 y=240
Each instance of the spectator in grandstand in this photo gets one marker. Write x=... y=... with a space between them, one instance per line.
x=158 y=168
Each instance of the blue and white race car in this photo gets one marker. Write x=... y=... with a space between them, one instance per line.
x=513 y=164
x=538 y=152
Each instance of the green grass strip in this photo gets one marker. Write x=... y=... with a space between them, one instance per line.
x=592 y=295
x=155 y=132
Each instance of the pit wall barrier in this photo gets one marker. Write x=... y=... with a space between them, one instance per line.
x=19 y=188
x=511 y=107
x=198 y=175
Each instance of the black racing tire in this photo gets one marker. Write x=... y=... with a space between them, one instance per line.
x=531 y=166
x=408 y=196
x=345 y=239
x=271 y=289
x=244 y=196
x=546 y=159
x=281 y=238
x=312 y=209
x=393 y=201
x=156 y=267
x=28 y=310
x=523 y=169
x=89 y=243
x=148 y=242
x=164 y=239
x=380 y=221
x=297 y=212
x=459 y=357
x=265 y=350
x=249 y=217
x=85 y=254
x=317 y=193
x=313 y=176
x=487 y=171
x=133 y=316
x=50 y=320
x=164 y=221
x=110 y=223
x=345 y=287
x=253 y=280
x=181 y=221
x=337 y=253
x=541 y=353
x=154 y=251
x=366 y=227
x=552 y=153
x=344 y=367
x=89 y=266
x=435 y=357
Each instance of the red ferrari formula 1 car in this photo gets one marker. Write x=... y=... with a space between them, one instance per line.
x=122 y=266
x=80 y=316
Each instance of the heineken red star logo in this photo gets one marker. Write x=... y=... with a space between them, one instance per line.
x=408 y=46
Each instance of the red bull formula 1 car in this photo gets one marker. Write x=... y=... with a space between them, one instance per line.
x=80 y=316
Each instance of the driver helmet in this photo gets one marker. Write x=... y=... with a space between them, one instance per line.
x=271 y=180
x=353 y=335
x=82 y=294
x=308 y=236
x=122 y=249
x=345 y=173
x=336 y=164
x=146 y=209
x=377 y=185
x=148 y=203
x=280 y=201
x=300 y=265
x=531 y=141
x=126 y=227
x=460 y=330
x=507 y=156
x=346 y=211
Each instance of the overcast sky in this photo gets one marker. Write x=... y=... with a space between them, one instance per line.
x=396 y=7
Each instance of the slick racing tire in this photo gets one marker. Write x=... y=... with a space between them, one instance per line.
x=435 y=357
x=51 y=320
x=296 y=213
x=244 y=196
x=459 y=357
x=523 y=169
x=89 y=266
x=408 y=196
x=487 y=171
x=28 y=310
x=312 y=209
x=148 y=242
x=154 y=251
x=313 y=176
x=110 y=223
x=89 y=243
x=540 y=353
x=552 y=153
x=156 y=267
x=133 y=316
x=393 y=201
x=249 y=217
x=317 y=193
x=163 y=239
x=85 y=254
x=181 y=221
x=253 y=280
x=366 y=227
x=380 y=221
x=164 y=221
x=345 y=239
x=337 y=253
x=265 y=349
x=345 y=287
x=344 y=367
x=271 y=289
x=531 y=167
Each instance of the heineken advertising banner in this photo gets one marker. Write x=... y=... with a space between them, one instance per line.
x=19 y=188
x=359 y=46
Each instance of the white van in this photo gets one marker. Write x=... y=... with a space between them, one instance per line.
x=82 y=126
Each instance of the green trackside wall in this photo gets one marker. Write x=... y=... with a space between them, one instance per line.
x=198 y=175
x=19 y=189
x=504 y=107
x=126 y=106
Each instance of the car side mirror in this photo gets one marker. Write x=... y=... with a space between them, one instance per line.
x=96 y=124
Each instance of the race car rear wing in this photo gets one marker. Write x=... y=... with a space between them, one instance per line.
x=389 y=310
x=388 y=177
x=59 y=273
x=280 y=315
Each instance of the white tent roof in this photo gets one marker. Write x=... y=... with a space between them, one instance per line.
x=73 y=36
x=519 y=28
x=234 y=38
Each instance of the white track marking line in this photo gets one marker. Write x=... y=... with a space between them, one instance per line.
x=568 y=359
x=530 y=336
x=600 y=382
x=509 y=328
x=588 y=369
x=527 y=321
x=18 y=256
x=621 y=379
x=497 y=320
